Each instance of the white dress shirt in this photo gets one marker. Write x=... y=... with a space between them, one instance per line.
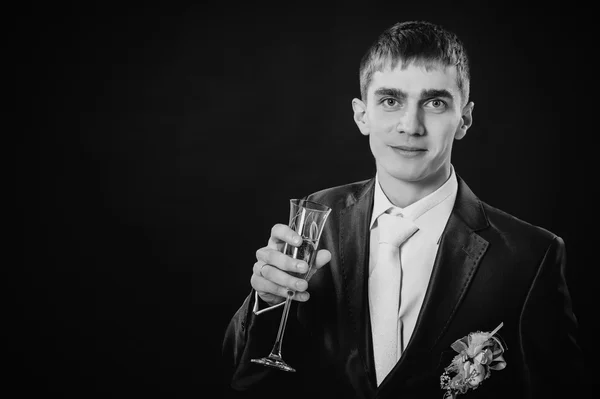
x=418 y=253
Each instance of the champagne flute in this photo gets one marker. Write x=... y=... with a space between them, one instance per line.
x=307 y=218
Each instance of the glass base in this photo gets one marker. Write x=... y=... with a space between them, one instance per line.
x=275 y=362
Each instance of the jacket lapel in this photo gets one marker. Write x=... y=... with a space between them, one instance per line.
x=457 y=259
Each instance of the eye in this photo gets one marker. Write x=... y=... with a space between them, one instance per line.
x=436 y=104
x=390 y=102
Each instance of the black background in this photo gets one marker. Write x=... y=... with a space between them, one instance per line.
x=159 y=144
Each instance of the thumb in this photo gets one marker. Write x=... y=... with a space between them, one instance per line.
x=323 y=257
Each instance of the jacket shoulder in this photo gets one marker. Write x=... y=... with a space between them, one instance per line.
x=510 y=225
x=341 y=196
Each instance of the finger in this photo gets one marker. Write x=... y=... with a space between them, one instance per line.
x=323 y=257
x=284 y=280
x=273 y=293
x=282 y=234
x=257 y=268
x=281 y=261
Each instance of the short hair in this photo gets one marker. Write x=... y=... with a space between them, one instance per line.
x=420 y=42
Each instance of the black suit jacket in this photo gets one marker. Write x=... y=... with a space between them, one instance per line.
x=490 y=268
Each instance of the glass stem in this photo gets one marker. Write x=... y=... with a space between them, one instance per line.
x=276 y=351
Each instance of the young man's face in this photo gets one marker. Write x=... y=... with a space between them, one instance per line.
x=412 y=116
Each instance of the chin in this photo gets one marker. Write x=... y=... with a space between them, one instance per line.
x=423 y=173
x=407 y=173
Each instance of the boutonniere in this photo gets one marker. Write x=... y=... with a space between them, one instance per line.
x=478 y=354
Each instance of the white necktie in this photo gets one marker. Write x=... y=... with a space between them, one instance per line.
x=384 y=291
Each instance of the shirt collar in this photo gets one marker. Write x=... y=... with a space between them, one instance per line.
x=417 y=209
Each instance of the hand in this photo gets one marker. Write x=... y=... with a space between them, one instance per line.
x=270 y=277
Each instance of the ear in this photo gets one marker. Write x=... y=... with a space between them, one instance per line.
x=360 y=116
x=466 y=121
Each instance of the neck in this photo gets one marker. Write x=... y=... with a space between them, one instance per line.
x=403 y=193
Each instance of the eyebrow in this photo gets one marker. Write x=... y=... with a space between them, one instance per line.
x=437 y=93
x=388 y=91
x=425 y=94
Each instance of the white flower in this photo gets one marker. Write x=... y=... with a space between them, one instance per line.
x=484 y=357
x=478 y=353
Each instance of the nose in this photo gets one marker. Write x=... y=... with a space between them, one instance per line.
x=411 y=121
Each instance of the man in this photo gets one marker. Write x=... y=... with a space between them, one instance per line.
x=463 y=267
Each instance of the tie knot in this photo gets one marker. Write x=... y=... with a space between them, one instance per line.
x=394 y=230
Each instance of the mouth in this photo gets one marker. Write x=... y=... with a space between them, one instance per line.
x=408 y=151
x=408 y=148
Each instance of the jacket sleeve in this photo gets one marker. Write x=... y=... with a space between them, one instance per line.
x=552 y=360
x=250 y=335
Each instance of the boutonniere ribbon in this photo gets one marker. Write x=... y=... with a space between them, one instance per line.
x=478 y=354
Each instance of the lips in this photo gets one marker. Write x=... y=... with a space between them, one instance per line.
x=408 y=152
x=407 y=148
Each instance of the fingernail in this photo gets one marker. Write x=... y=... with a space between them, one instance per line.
x=301 y=285
x=297 y=240
x=302 y=267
